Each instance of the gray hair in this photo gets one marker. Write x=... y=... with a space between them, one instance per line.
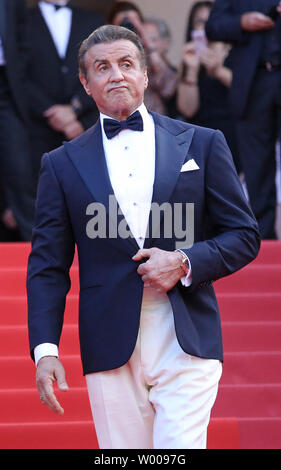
x=108 y=34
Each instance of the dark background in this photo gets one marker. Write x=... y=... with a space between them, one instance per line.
x=96 y=5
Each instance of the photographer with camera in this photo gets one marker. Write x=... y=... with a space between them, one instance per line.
x=254 y=30
x=202 y=95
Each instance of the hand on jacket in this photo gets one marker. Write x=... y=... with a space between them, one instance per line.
x=256 y=21
x=50 y=370
x=162 y=269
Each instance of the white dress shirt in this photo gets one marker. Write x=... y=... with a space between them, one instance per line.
x=59 y=25
x=130 y=158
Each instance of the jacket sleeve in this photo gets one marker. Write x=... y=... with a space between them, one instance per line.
x=224 y=23
x=236 y=239
x=52 y=253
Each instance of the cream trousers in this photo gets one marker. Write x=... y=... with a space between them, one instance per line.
x=162 y=397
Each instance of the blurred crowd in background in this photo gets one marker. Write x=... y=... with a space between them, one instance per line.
x=229 y=79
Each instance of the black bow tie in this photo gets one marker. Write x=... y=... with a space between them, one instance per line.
x=113 y=127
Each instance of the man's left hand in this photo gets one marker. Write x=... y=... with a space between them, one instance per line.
x=72 y=130
x=59 y=116
x=161 y=270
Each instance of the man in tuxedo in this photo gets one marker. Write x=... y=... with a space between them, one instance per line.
x=149 y=324
x=254 y=30
x=59 y=107
x=15 y=162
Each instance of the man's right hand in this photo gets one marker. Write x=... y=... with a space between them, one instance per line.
x=50 y=370
x=256 y=21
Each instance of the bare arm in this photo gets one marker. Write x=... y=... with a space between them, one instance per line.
x=213 y=59
x=256 y=21
x=224 y=75
x=188 y=97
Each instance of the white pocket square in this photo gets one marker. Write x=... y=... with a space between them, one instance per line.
x=190 y=165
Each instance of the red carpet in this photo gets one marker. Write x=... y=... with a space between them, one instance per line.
x=250 y=389
x=247 y=413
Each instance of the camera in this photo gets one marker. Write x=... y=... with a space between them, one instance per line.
x=126 y=23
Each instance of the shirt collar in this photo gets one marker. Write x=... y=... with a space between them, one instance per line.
x=51 y=6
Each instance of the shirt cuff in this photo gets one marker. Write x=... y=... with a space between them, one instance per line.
x=45 y=349
x=187 y=279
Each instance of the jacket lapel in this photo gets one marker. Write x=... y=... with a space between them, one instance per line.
x=89 y=160
x=171 y=151
x=45 y=35
x=3 y=19
x=74 y=39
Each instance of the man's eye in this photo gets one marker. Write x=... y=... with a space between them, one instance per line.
x=102 y=68
x=126 y=65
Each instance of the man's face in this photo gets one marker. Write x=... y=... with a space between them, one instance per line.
x=200 y=18
x=153 y=34
x=130 y=15
x=116 y=79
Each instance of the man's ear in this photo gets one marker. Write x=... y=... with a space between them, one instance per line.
x=145 y=79
x=85 y=84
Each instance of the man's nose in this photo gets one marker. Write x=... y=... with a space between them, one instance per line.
x=116 y=74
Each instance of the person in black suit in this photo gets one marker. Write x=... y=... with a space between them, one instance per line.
x=15 y=165
x=59 y=107
x=206 y=76
x=254 y=29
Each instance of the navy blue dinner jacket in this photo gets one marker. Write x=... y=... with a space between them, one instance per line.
x=226 y=238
